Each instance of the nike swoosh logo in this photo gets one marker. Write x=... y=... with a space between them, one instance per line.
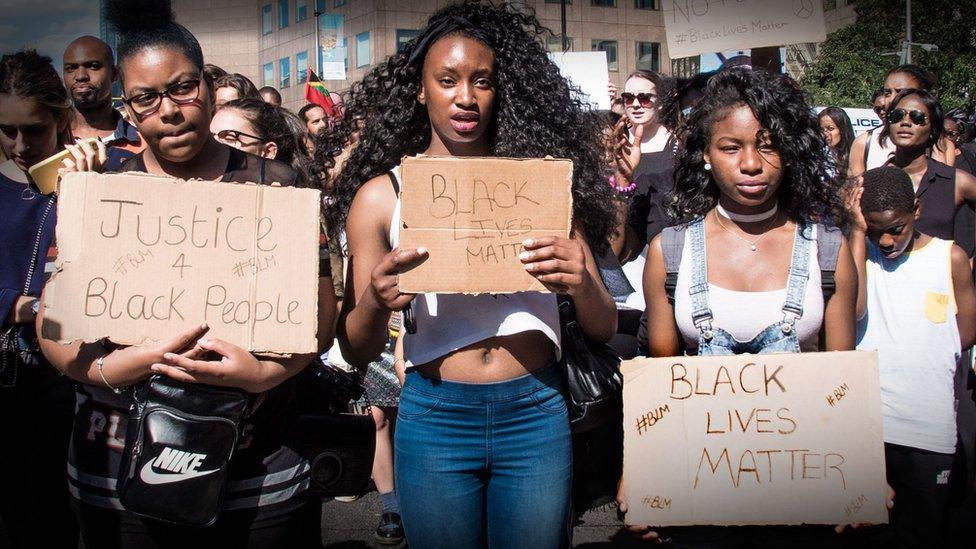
x=152 y=477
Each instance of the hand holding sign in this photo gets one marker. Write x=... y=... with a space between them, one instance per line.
x=385 y=284
x=236 y=367
x=559 y=263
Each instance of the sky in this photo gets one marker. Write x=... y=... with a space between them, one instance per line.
x=47 y=25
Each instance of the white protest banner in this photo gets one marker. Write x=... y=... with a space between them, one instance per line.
x=142 y=257
x=754 y=439
x=587 y=70
x=862 y=120
x=694 y=27
x=472 y=215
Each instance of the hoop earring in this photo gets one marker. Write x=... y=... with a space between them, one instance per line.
x=708 y=167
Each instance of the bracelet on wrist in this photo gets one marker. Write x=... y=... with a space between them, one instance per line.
x=622 y=190
x=101 y=364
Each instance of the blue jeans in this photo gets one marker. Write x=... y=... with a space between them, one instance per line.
x=484 y=465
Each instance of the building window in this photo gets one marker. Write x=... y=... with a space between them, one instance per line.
x=604 y=3
x=284 y=72
x=301 y=66
x=282 y=14
x=338 y=3
x=646 y=5
x=558 y=1
x=403 y=36
x=362 y=49
x=267 y=74
x=266 y=20
x=345 y=54
x=649 y=56
x=319 y=6
x=555 y=43
x=301 y=10
x=609 y=46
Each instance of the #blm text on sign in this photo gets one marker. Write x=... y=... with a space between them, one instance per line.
x=754 y=439
x=694 y=27
x=142 y=257
x=473 y=214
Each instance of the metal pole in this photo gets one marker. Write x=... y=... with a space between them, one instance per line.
x=562 y=20
x=318 y=47
x=908 y=31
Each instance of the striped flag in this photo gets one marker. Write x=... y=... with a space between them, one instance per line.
x=317 y=94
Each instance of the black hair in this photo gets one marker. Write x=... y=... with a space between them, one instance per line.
x=875 y=95
x=29 y=75
x=272 y=126
x=843 y=122
x=272 y=91
x=808 y=192
x=302 y=111
x=964 y=124
x=213 y=72
x=535 y=114
x=245 y=88
x=926 y=79
x=935 y=117
x=145 y=24
x=887 y=188
x=668 y=110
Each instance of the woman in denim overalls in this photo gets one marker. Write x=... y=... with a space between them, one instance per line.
x=752 y=190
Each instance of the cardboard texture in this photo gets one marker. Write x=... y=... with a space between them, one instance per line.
x=142 y=257
x=754 y=439
x=473 y=214
x=694 y=27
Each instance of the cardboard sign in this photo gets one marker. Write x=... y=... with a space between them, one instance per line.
x=694 y=27
x=754 y=439
x=588 y=71
x=473 y=214
x=141 y=258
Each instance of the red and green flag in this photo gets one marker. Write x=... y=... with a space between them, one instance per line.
x=317 y=94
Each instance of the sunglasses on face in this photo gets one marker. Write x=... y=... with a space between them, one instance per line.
x=233 y=137
x=645 y=99
x=917 y=117
x=181 y=93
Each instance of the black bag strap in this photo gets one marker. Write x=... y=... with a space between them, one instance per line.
x=672 y=246
x=394 y=182
x=829 y=239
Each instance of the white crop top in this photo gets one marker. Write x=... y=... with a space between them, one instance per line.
x=745 y=314
x=448 y=322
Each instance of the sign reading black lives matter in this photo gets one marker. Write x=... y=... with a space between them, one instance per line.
x=472 y=214
x=754 y=439
x=141 y=258
x=694 y=27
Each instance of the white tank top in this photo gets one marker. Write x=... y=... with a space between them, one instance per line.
x=911 y=322
x=448 y=322
x=761 y=309
x=878 y=155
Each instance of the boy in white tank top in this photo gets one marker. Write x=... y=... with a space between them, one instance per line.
x=917 y=307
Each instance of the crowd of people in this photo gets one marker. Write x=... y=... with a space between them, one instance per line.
x=741 y=221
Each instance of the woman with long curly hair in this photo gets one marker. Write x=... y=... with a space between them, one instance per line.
x=483 y=447
x=755 y=200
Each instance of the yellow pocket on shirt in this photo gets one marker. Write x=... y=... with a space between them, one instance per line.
x=936 y=306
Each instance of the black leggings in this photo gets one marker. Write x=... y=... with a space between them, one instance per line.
x=36 y=426
x=108 y=529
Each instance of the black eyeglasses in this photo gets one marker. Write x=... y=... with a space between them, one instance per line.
x=646 y=100
x=181 y=93
x=917 y=117
x=233 y=137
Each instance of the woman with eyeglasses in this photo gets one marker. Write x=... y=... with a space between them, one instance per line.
x=266 y=502
x=261 y=129
x=914 y=127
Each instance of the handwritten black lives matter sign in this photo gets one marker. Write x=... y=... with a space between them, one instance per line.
x=143 y=257
x=754 y=439
x=473 y=214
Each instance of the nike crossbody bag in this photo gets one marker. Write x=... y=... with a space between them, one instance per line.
x=178 y=447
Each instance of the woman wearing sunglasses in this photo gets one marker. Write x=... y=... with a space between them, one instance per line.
x=261 y=129
x=914 y=128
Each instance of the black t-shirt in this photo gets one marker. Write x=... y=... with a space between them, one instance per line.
x=268 y=476
x=654 y=177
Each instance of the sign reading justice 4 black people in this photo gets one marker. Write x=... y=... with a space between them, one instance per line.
x=473 y=214
x=141 y=258
x=754 y=439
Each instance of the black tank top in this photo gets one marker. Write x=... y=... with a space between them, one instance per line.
x=937 y=193
x=654 y=177
x=268 y=476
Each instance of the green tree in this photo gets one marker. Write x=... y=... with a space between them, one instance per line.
x=850 y=64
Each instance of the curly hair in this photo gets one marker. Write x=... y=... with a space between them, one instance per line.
x=887 y=188
x=536 y=114
x=808 y=193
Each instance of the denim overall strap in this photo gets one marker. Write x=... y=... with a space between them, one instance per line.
x=799 y=275
x=701 y=314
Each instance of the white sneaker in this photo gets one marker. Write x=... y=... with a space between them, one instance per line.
x=346 y=499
